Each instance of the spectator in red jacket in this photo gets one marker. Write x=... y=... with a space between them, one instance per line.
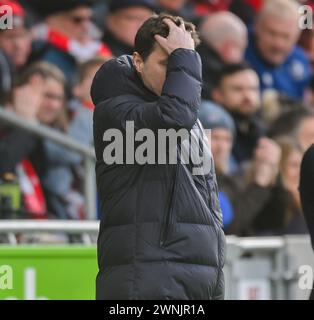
x=67 y=36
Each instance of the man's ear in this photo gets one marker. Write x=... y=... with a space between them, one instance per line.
x=138 y=62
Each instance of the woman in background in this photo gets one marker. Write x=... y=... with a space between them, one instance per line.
x=283 y=214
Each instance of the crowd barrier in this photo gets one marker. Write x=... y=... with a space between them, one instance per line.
x=87 y=152
x=269 y=268
x=264 y=268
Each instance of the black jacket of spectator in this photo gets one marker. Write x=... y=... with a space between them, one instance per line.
x=17 y=145
x=306 y=192
x=249 y=129
x=161 y=229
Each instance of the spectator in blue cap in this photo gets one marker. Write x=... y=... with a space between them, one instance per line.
x=222 y=133
x=221 y=137
x=245 y=191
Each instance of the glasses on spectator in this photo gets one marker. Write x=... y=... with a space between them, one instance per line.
x=81 y=19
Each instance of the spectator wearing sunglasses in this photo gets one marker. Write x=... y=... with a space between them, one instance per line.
x=123 y=20
x=67 y=36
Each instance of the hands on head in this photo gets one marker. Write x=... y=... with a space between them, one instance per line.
x=178 y=37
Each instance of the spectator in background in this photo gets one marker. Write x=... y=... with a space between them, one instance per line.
x=237 y=91
x=122 y=22
x=82 y=108
x=15 y=48
x=261 y=198
x=224 y=39
x=42 y=167
x=39 y=96
x=19 y=151
x=297 y=124
x=67 y=36
x=242 y=194
x=82 y=119
x=221 y=137
x=56 y=176
x=273 y=53
x=283 y=214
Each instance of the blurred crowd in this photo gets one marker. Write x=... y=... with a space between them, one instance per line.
x=258 y=101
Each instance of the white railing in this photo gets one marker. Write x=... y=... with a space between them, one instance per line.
x=64 y=140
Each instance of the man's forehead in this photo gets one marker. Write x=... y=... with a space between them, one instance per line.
x=241 y=73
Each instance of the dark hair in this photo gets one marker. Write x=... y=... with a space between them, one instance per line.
x=144 y=39
x=289 y=122
x=231 y=69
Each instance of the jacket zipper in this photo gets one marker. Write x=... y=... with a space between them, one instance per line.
x=165 y=229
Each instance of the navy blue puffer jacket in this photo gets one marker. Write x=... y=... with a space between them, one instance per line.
x=161 y=232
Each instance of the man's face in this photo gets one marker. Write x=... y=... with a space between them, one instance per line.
x=232 y=51
x=221 y=145
x=52 y=101
x=291 y=171
x=125 y=23
x=153 y=69
x=77 y=23
x=239 y=92
x=275 y=37
x=16 y=43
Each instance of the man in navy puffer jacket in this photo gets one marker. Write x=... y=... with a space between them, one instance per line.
x=161 y=228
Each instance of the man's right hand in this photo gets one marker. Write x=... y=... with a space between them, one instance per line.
x=178 y=37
